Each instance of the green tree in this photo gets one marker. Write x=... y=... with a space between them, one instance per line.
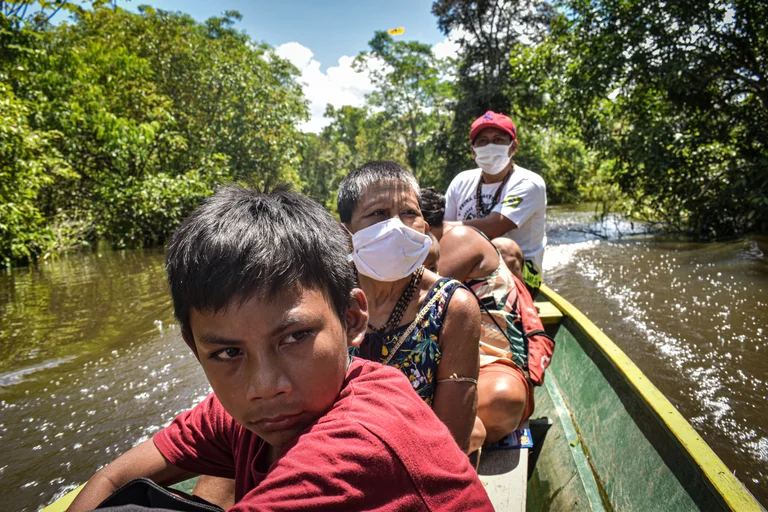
x=150 y=111
x=413 y=96
x=488 y=31
x=28 y=162
x=674 y=95
x=37 y=14
x=353 y=137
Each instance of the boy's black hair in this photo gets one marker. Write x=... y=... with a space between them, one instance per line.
x=351 y=189
x=432 y=207
x=240 y=243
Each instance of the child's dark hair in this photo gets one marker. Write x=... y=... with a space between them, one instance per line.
x=240 y=243
x=351 y=189
x=432 y=205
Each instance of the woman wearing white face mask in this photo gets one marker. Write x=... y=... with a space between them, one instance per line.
x=426 y=326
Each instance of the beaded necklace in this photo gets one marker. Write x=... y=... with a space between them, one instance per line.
x=480 y=210
x=402 y=303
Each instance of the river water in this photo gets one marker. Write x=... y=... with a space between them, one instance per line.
x=91 y=361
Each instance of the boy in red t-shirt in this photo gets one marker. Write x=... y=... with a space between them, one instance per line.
x=266 y=301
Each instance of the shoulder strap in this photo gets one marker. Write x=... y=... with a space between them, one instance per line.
x=504 y=332
x=420 y=316
x=539 y=332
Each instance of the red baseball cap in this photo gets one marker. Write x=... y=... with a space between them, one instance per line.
x=492 y=119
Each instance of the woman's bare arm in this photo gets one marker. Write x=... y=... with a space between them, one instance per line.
x=455 y=401
x=465 y=254
x=142 y=461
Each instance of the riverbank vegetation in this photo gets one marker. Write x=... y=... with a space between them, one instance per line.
x=114 y=125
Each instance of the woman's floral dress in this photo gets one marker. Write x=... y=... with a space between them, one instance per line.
x=419 y=356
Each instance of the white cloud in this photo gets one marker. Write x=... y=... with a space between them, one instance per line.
x=297 y=54
x=339 y=85
x=448 y=47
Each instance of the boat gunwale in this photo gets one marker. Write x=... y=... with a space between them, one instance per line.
x=732 y=491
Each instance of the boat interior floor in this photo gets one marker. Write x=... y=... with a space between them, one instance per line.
x=504 y=474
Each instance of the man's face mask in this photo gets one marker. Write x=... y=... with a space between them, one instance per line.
x=492 y=158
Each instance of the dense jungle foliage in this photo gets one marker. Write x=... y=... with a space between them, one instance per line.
x=114 y=125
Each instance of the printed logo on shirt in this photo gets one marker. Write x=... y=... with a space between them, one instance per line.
x=512 y=201
x=467 y=210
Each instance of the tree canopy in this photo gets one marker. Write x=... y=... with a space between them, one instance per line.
x=113 y=126
x=675 y=95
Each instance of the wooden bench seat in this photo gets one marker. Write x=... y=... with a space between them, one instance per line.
x=504 y=474
x=549 y=313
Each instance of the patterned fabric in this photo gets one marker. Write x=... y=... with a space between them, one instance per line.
x=419 y=356
x=498 y=293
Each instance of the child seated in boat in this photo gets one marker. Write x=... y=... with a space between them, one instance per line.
x=424 y=326
x=510 y=360
x=266 y=301
x=511 y=254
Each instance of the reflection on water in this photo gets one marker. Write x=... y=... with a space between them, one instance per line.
x=91 y=363
x=692 y=316
x=91 y=360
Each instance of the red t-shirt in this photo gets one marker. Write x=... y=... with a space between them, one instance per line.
x=380 y=447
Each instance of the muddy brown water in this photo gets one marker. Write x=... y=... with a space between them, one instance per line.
x=91 y=360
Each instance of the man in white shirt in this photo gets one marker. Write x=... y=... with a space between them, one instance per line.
x=500 y=198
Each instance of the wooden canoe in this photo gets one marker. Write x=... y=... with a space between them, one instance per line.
x=604 y=437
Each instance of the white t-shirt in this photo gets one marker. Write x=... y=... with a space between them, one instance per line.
x=523 y=201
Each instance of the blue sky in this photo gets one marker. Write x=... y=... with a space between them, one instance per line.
x=321 y=38
x=330 y=28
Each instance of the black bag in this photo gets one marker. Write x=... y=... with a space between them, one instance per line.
x=144 y=494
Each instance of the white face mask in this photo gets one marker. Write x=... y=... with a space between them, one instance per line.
x=389 y=250
x=492 y=158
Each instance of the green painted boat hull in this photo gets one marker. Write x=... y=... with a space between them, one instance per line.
x=615 y=443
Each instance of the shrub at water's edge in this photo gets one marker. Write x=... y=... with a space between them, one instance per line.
x=115 y=126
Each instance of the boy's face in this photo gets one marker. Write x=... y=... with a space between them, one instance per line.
x=277 y=365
